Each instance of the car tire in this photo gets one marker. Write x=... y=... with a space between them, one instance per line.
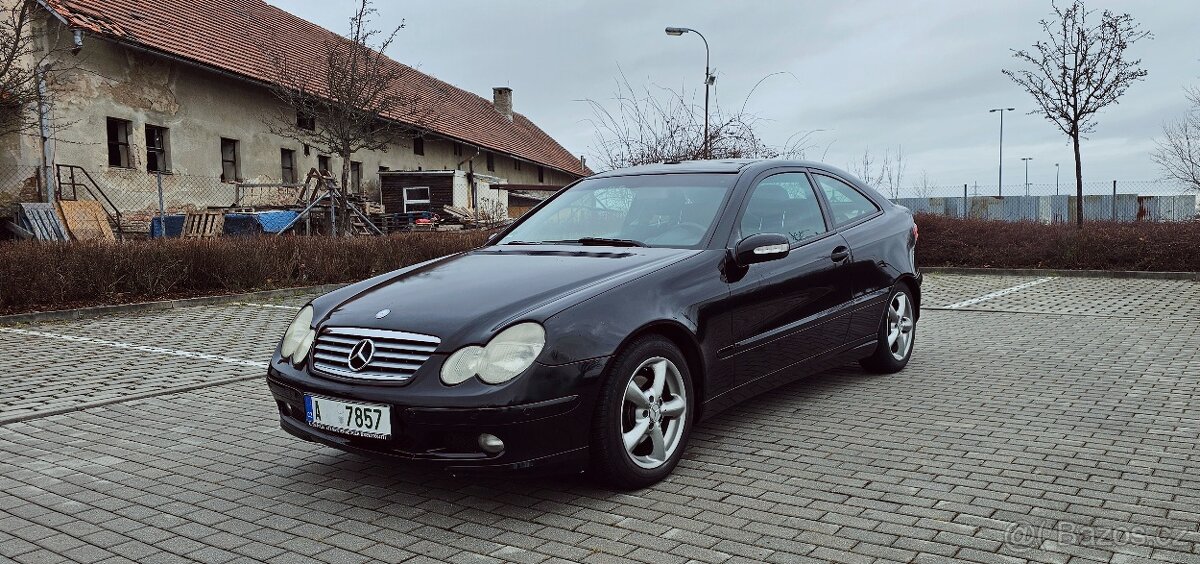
x=897 y=334
x=656 y=367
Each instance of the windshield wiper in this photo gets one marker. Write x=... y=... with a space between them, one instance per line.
x=523 y=243
x=605 y=241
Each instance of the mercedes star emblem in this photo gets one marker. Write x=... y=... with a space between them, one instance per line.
x=382 y=313
x=360 y=356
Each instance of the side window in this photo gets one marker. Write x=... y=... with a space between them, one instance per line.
x=846 y=203
x=783 y=203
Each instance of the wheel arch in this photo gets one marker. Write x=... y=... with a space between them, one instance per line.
x=914 y=288
x=686 y=341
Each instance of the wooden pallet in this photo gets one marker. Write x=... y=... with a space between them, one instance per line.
x=43 y=221
x=86 y=220
x=204 y=224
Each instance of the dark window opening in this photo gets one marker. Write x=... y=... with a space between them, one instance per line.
x=458 y=149
x=156 y=149
x=118 y=142
x=541 y=174
x=287 y=160
x=355 y=176
x=229 y=160
x=323 y=163
x=384 y=168
x=418 y=145
x=491 y=162
x=305 y=122
x=516 y=164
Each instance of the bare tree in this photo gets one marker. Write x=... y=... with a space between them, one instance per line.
x=353 y=101
x=924 y=187
x=653 y=127
x=1178 y=152
x=28 y=55
x=1079 y=70
x=886 y=173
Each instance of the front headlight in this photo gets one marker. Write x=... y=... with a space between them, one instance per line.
x=299 y=335
x=502 y=359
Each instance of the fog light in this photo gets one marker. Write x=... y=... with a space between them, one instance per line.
x=490 y=444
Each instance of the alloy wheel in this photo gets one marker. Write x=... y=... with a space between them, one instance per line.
x=653 y=412
x=900 y=326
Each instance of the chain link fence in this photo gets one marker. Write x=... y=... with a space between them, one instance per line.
x=1125 y=200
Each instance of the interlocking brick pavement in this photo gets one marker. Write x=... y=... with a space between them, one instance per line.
x=1048 y=437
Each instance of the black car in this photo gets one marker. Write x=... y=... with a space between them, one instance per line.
x=596 y=330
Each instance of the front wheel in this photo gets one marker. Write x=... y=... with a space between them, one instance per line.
x=644 y=416
x=897 y=332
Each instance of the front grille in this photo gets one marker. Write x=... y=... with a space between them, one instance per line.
x=397 y=354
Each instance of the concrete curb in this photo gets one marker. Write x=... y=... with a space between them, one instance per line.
x=101 y=311
x=1140 y=275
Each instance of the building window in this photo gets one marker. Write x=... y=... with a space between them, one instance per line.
x=305 y=122
x=418 y=145
x=287 y=160
x=156 y=149
x=516 y=164
x=355 y=176
x=118 y=142
x=457 y=149
x=229 y=160
x=323 y=163
x=416 y=198
x=491 y=161
x=384 y=168
x=541 y=174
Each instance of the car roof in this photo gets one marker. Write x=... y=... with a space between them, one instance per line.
x=725 y=166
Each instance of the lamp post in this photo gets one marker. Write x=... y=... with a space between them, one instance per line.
x=1055 y=179
x=709 y=79
x=1000 y=176
x=1027 y=159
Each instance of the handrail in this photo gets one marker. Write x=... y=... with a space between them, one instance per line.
x=92 y=189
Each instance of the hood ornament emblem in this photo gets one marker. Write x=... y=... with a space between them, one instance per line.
x=382 y=313
x=361 y=355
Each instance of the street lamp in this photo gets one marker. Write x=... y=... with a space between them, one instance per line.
x=709 y=79
x=1027 y=159
x=1055 y=179
x=1000 y=180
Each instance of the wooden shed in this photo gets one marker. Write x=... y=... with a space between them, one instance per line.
x=430 y=190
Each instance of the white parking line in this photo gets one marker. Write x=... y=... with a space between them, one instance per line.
x=133 y=347
x=292 y=308
x=999 y=293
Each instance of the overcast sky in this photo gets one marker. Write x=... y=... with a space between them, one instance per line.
x=869 y=74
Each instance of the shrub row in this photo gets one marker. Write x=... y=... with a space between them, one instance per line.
x=42 y=276
x=979 y=243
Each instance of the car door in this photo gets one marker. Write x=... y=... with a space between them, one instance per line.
x=860 y=220
x=790 y=309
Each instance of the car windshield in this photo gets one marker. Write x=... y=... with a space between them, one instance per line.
x=664 y=210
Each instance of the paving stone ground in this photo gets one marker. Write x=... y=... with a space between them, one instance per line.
x=1054 y=424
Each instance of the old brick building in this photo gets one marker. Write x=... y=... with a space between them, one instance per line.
x=184 y=87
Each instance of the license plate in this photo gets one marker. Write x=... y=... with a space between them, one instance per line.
x=349 y=418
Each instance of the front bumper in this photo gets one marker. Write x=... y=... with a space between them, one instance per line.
x=543 y=416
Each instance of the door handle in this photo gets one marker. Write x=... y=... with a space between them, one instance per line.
x=840 y=254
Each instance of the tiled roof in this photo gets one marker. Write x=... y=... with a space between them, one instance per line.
x=230 y=35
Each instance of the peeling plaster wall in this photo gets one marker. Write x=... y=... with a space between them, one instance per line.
x=199 y=108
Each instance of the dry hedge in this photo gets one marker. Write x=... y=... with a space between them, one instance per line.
x=40 y=276
x=945 y=241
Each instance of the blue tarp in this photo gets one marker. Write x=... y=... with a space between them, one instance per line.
x=275 y=221
x=174 y=224
x=235 y=223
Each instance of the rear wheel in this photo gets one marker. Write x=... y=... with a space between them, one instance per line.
x=644 y=416
x=897 y=332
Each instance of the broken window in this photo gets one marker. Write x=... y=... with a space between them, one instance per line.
x=287 y=160
x=416 y=198
x=229 y=160
x=305 y=122
x=323 y=164
x=418 y=145
x=356 y=176
x=156 y=149
x=491 y=161
x=118 y=142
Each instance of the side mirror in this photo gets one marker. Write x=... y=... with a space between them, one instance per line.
x=761 y=247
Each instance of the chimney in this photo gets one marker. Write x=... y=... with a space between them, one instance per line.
x=502 y=99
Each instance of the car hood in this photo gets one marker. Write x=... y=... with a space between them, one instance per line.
x=466 y=298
